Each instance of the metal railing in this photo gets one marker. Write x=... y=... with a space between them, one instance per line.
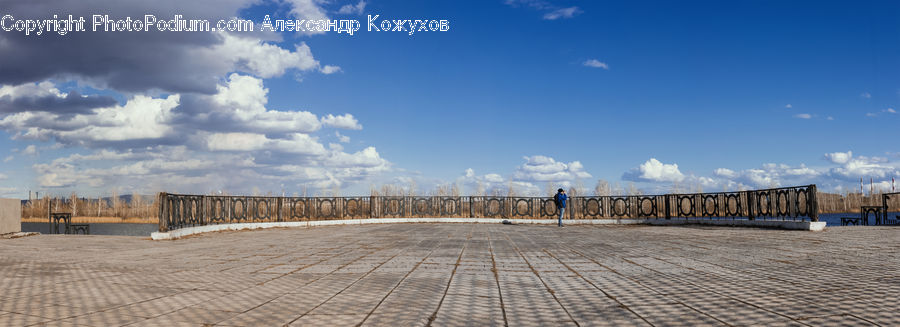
x=787 y=203
x=883 y=213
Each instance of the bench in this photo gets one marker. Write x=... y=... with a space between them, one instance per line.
x=893 y=222
x=75 y=228
x=847 y=221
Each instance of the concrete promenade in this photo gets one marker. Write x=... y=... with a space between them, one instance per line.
x=458 y=275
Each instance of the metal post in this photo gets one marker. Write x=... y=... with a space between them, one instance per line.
x=668 y=211
x=161 y=200
x=750 y=203
x=280 y=203
x=814 y=208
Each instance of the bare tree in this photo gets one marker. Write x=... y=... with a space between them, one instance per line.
x=632 y=189
x=602 y=188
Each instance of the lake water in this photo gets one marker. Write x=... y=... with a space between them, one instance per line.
x=100 y=229
x=833 y=220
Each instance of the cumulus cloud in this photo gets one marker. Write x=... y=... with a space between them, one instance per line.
x=849 y=169
x=351 y=9
x=788 y=106
x=30 y=150
x=526 y=178
x=240 y=105
x=345 y=121
x=725 y=172
x=44 y=96
x=192 y=113
x=307 y=9
x=865 y=95
x=839 y=157
x=854 y=167
x=341 y=138
x=654 y=170
x=596 y=64
x=251 y=55
x=141 y=117
x=329 y=69
x=153 y=60
x=803 y=116
x=495 y=184
x=546 y=169
x=167 y=143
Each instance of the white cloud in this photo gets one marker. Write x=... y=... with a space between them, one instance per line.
x=227 y=140
x=725 y=172
x=2 y=176
x=861 y=166
x=789 y=106
x=236 y=141
x=849 y=169
x=261 y=59
x=341 y=138
x=830 y=118
x=141 y=117
x=803 y=116
x=596 y=64
x=356 y=9
x=546 y=169
x=329 y=69
x=564 y=13
x=30 y=150
x=493 y=178
x=9 y=158
x=655 y=171
x=866 y=95
x=839 y=157
x=871 y=114
x=890 y=111
x=345 y=121
x=536 y=170
x=307 y=9
x=41 y=89
x=243 y=101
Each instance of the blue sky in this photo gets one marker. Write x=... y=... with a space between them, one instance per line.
x=535 y=94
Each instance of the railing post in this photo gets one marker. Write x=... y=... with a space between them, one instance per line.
x=668 y=212
x=161 y=201
x=792 y=198
x=884 y=203
x=280 y=203
x=204 y=210
x=750 y=203
x=814 y=204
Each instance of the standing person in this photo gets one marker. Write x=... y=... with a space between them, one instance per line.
x=560 y=200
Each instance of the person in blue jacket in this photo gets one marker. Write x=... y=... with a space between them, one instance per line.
x=560 y=200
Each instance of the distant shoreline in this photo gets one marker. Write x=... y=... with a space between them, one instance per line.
x=98 y=220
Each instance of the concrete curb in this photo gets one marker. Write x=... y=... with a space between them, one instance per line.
x=783 y=224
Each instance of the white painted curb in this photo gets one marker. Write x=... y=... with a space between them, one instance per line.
x=793 y=225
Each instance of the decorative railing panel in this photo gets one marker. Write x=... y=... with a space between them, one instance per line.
x=788 y=203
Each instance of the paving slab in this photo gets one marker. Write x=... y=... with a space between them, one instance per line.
x=457 y=275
